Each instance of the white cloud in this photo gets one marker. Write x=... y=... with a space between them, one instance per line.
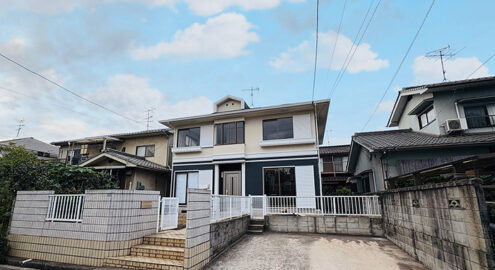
x=135 y=95
x=301 y=57
x=57 y=6
x=52 y=114
x=205 y=8
x=427 y=70
x=386 y=106
x=223 y=36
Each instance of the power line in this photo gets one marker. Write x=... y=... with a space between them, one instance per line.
x=316 y=49
x=478 y=68
x=354 y=47
x=66 y=89
x=400 y=65
x=338 y=34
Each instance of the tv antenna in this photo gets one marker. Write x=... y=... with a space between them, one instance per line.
x=19 y=127
x=441 y=53
x=252 y=89
x=149 y=116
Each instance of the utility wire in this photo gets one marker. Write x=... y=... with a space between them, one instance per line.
x=316 y=49
x=478 y=68
x=354 y=47
x=338 y=34
x=66 y=89
x=400 y=65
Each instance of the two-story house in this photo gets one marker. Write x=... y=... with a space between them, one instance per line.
x=438 y=123
x=42 y=150
x=137 y=160
x=237 y=150
x=333 y=167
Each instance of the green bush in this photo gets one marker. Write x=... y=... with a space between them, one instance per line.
x=342 y=191
x=21 y=170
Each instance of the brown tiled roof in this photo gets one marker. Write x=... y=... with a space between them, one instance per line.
x=335 y=149
x=408 y=139
x=133 y=159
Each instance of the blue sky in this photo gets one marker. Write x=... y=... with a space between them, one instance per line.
x=180 y=56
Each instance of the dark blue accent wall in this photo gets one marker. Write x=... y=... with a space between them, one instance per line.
x=194 y=167
x=254 y=173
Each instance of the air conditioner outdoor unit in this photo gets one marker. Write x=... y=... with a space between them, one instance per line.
x=453 y=125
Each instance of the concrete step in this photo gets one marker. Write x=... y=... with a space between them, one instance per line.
x=161 y=252
x=249 y=231
x=256 y=226
x=156 y=240
x=257 y=221
x=137 y=262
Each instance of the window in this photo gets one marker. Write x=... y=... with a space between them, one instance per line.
x=145 y=151
x=185 y=180
x=281 y=128
x=188 y=137
x=230 y=133
x=280 y=181
x=480 y=116
x=84 y=149
x=340 y=163
x=426 y=117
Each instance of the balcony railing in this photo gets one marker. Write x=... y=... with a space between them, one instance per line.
x=481 y=121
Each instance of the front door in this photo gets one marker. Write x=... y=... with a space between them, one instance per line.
x=232 y=183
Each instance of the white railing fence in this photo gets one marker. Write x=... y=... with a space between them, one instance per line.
x=323 y=205
x=65 y=207
x=226 y=206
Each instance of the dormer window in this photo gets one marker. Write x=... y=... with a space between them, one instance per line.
x=426 y=117
x=188 y=137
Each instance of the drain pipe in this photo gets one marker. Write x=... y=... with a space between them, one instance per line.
x=318 y=147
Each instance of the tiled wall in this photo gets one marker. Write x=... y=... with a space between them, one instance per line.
x=113 y=221
x=346 y=225
x=226 y=232
x=445 y=225
x=197 y=252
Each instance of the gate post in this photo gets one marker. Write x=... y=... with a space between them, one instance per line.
x=158 y=215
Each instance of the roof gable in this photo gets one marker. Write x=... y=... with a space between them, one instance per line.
x=229 y=103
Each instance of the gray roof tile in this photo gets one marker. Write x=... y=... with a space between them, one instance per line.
x=407 y=139
x=335 y=149
x=136 y=160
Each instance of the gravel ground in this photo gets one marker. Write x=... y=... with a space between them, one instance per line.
x=314 y=251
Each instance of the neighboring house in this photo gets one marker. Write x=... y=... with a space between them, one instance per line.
x=237 y=150
x=41 y=149
x=438 y=123
x=138 y=160
x=333 y=167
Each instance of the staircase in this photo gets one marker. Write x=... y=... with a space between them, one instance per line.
x=256 y=226
x=164 y=250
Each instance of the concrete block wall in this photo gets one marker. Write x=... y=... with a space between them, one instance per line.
x=197 y=250
x=346 y=225
x=112 y=221
x=226 y=232
x=444 y=225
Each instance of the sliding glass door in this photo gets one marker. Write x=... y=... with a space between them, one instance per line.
x=185 y=180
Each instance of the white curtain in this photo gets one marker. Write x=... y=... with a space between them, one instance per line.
x=180 y=189
x=491 y=112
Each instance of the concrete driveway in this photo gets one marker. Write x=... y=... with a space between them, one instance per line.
x=314 y=251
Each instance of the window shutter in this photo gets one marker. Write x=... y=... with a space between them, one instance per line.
x=305 y=186
x=206 y=136
x=302 y=126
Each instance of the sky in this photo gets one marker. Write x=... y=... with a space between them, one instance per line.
x=178 y=57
